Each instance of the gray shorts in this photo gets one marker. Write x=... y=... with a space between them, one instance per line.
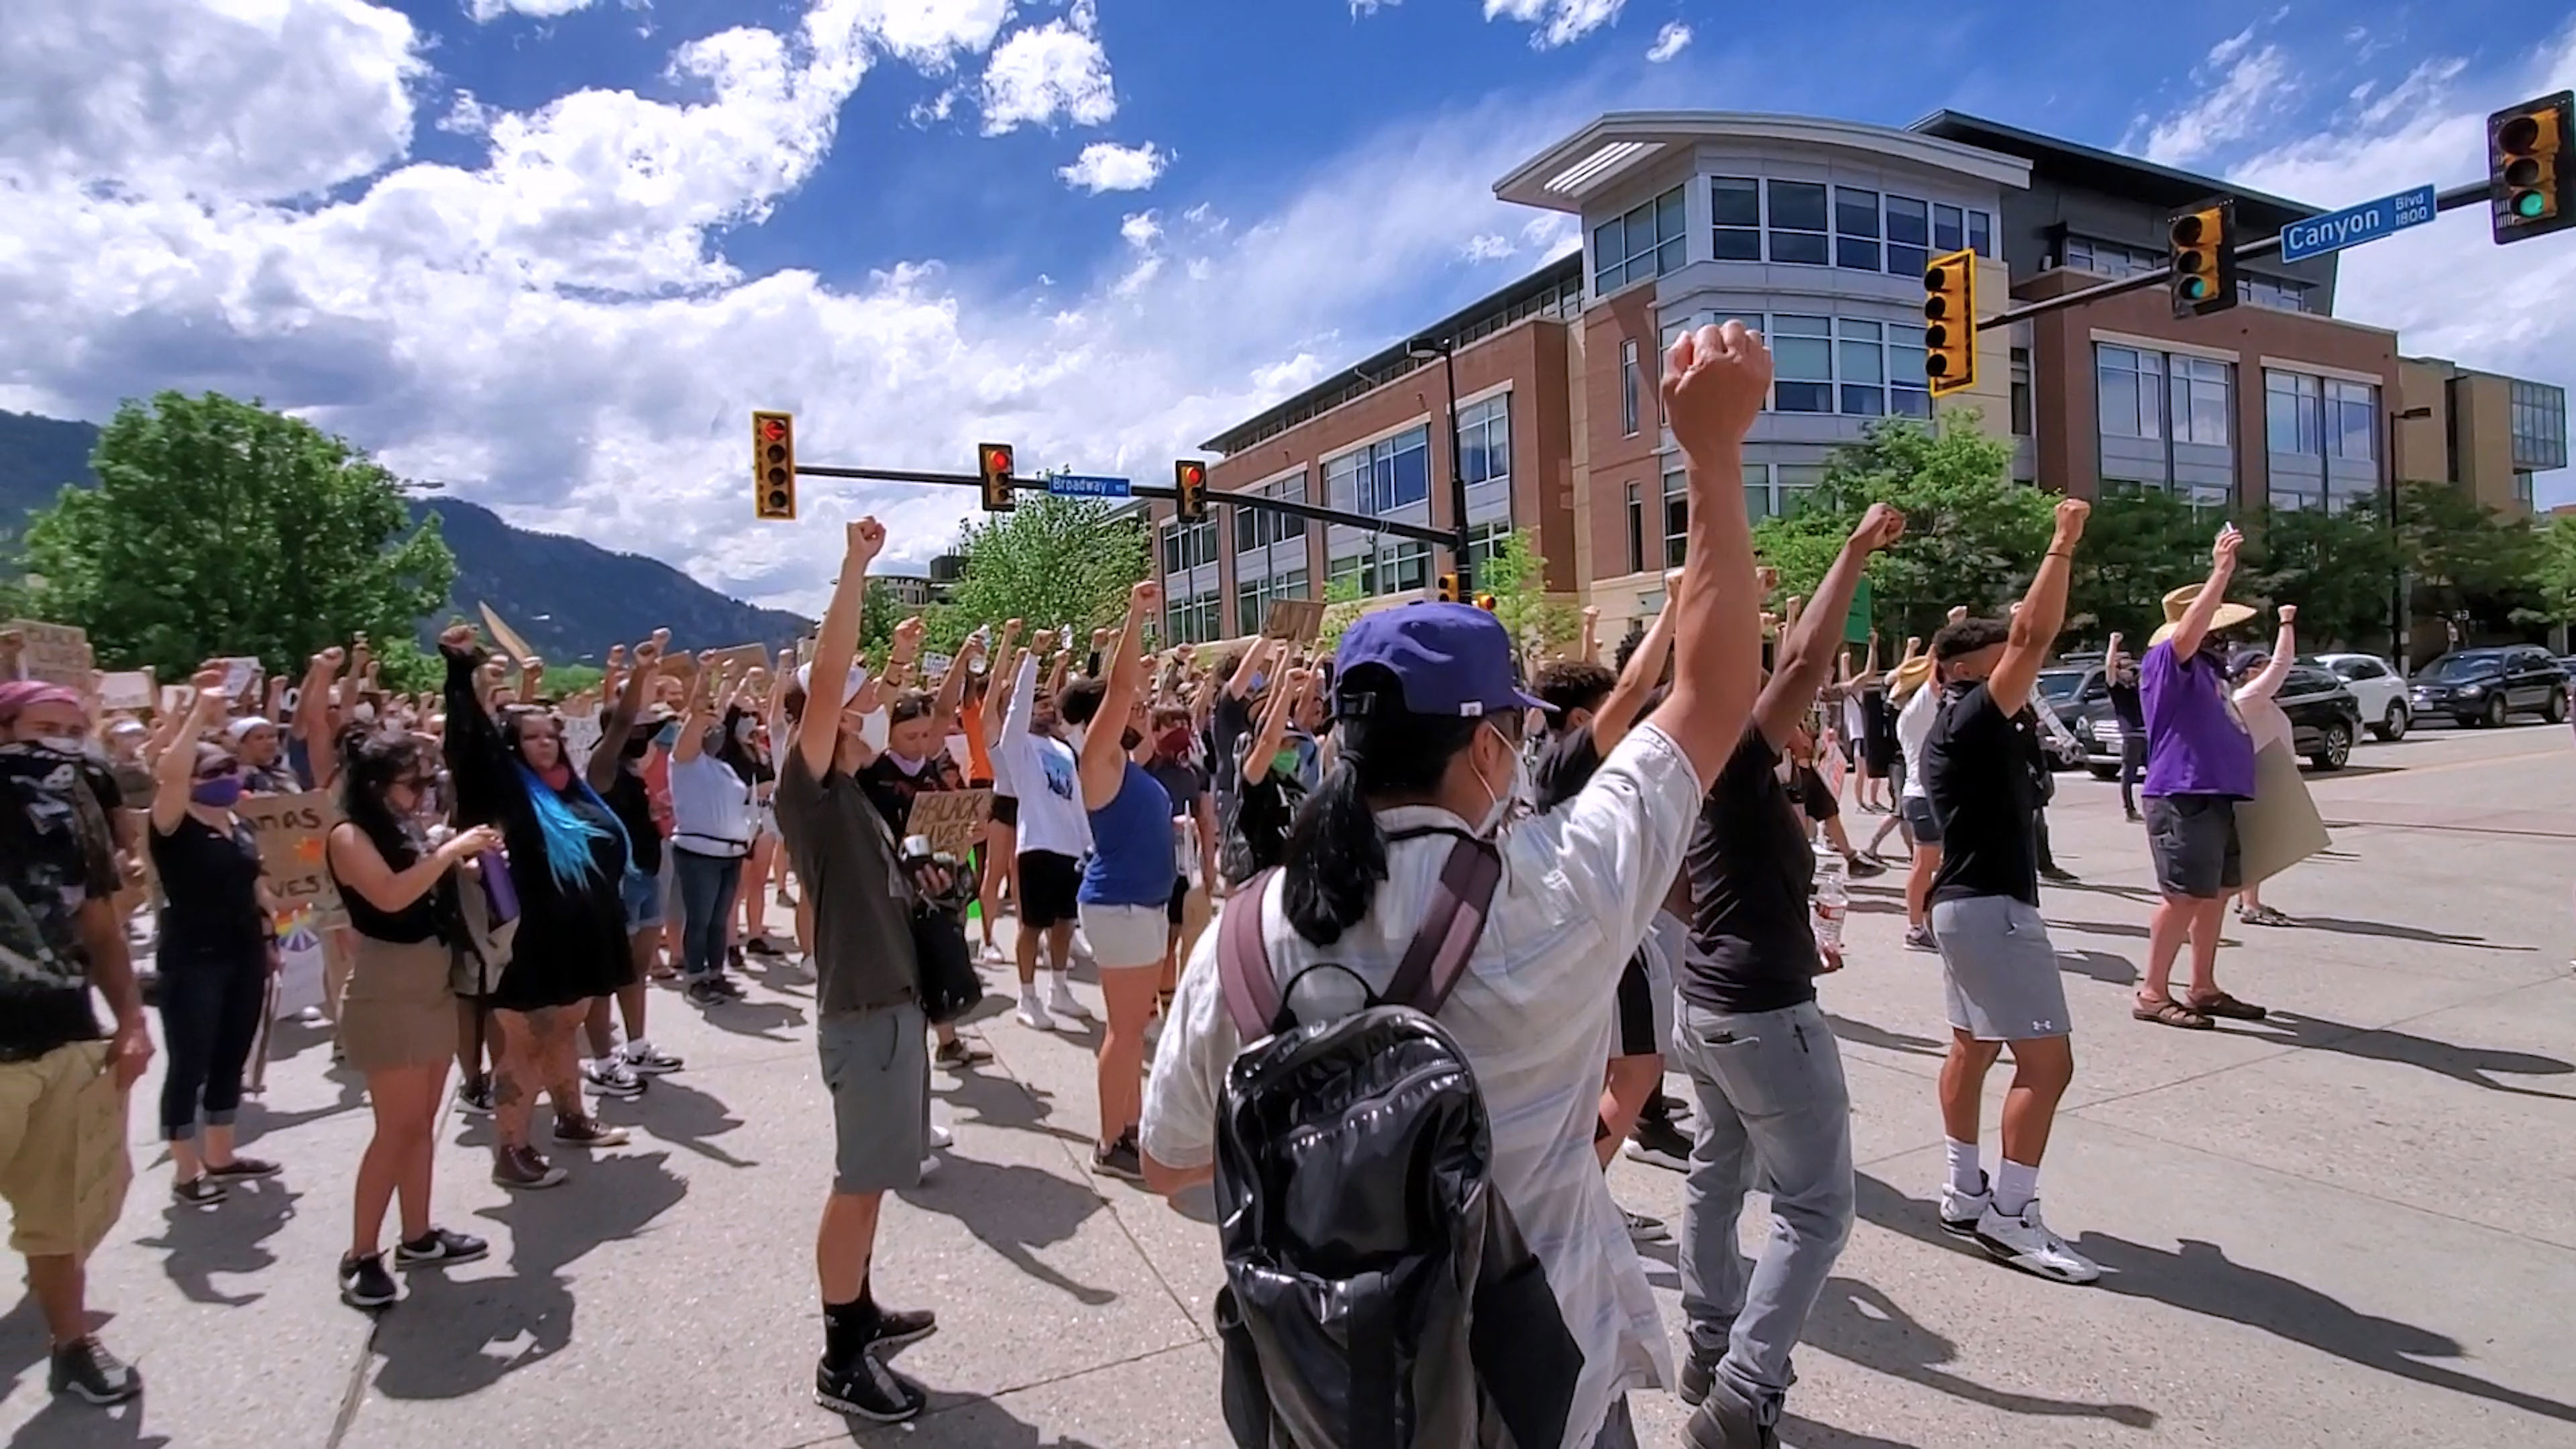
x=877 y=1067
x=2193 y=840
x=1998 y=970
x=1918 y=816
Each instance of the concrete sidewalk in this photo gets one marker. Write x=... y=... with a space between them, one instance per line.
x=2352 y=1225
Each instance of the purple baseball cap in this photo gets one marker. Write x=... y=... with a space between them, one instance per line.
x=1448 y=659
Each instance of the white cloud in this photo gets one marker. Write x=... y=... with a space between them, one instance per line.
x=2445 y=287
x=467 y=116
x=552 y=327
x=1488 y=246
x=485 y=11
x=1565 y=21
x=1670 y=41
x=1103 y=166
x=2252 y=87
x=1044 y=72
x=2232 y=47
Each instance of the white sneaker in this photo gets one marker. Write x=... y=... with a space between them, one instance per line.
x=941 y=1137
x=1961 y=1211
x=2026 y=1243
x=1033 y=1014
x=929 y=1165
x=1061 y=1001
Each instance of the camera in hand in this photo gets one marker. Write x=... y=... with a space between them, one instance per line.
x=919 y=857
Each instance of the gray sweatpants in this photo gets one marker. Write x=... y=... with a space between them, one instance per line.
x=1774 y=1113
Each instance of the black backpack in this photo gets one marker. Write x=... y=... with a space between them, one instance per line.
x=1378 y=1294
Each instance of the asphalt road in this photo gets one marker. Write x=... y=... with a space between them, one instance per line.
x=2352 y=1225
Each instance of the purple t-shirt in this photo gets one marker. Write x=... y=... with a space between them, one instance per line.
x=2196 y=743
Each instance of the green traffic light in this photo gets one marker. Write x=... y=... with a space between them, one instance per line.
x=2529 y=204
x=2195 y=289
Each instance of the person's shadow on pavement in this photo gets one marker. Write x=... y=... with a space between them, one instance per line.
x=453 y=1337
x=1013 y=1209
x=1858 y=1322
x=2387 y=1044
x=228 y=1238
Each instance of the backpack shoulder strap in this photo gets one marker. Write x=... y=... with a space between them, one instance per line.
x=1243 y=962
x=1438 y=954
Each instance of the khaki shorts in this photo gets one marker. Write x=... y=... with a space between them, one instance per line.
x=63 y=1164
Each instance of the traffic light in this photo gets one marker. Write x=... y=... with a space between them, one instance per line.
x=1189 y=489
x=1950 y=322
x=1485 y=602
x=2204 y=259
x=2528 y=167
x=993 y=461
x=773 y=465
x=1448 y=588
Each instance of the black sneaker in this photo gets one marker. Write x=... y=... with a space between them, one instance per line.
x=1665 y=1107
x=960 y=1054
x=474 y=1099
x=2059 y=874
x=730 y=988
x=611 y=1076
x=705 y=992
x=438 y=1248
x=1120 y=1159
x=364 y=1283
x=1659 y=1144
x=199 y=1191
x=243 y=1169
x=896 y=1327
x=524 y=1168
x=867 y=1389
x=86 y=1368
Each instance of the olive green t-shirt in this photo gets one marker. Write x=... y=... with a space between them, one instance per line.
x=845 y=862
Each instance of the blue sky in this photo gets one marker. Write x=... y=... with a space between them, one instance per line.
x=550 y=252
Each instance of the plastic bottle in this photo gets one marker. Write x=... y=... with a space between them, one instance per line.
x=1833 y=900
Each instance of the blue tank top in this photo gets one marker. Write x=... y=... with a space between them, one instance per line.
x=1131 y=846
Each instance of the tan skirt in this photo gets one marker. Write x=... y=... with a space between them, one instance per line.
x=396 y=1010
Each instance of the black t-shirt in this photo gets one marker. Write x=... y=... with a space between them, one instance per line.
x=2126 y=706
x=1977 y=773
x=1256 y=836
x=210 y=888
x=630 y=799
x=49 y=869
x=1565 y=767
x=1752 y=944
x=1228 y=723
x=892 y=791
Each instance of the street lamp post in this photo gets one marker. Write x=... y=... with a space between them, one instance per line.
x=2399 y=607
x=1446 y=349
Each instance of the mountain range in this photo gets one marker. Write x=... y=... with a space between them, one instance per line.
x=569 y=598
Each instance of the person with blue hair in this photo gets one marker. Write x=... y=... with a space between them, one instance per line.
x=568 y=858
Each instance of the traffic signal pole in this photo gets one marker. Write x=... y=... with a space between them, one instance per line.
x=1416 y=531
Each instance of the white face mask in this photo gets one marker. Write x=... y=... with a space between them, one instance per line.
x=1516 y=789
x=62 y=744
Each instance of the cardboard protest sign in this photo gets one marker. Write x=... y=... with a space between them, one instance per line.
x=291 y=831
x=53 y=653
x=511 y=644
x=128 y=689
x=178 y=698
x=953 y=819
x=2280 y=826
x=580 y=736
x=242 y=676
x=1296 y=620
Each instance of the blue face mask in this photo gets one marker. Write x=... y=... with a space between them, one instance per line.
x=219 y=794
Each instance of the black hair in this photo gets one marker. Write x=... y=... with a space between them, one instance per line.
x=908 y=706
x=730 y=748
x=1080 y=701
x=1629 y=644
x=371 y=761
x=1571 y=684
x=1336 y=854
x=1967 y=636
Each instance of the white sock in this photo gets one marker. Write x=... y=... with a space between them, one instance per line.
x=1062 y=986
x=1029 y=994
x=1965 y=1178
x=2015 y=1187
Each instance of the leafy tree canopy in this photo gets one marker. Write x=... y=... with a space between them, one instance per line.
x=1052 y=561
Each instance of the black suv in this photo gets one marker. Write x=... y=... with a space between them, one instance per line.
x=2485 y=686
x=2324 y=721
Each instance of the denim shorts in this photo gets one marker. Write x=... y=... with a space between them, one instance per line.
x=643 y=896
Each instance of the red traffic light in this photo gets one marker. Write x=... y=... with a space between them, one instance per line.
x=774 y=429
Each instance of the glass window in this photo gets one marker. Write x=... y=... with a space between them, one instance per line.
x=2538 y=425
x=1856 y=229
x=1797 y=221
x=1628 y=383
x=1189 y=545
x=2292 y=413
x=2352 y=420
x=1342 y=481
x=1382 y=477
x=1192 y=620
x=1735 y=207
x=1253 y=600
x=1484 y=543
x=2131 y=392
x=1794 y=481
x=1909 y=236
x=1757 y=492
x=1864 y=370
x=1676 y=517
x=1407 y=568
x=1646 y=242
x=2021 y=424
x=1636 y=529
x=1908 y=396
x=1359 y=570
x=1948 y=233
x=1485 y=440
x=1802 y=364
x=1981 y=234
x=2201 y=400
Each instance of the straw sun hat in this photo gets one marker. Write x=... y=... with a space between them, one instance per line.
x=2178 y=603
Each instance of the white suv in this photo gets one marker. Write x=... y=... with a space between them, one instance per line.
x=2375 y=683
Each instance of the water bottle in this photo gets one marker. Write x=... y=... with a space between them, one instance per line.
x=1833 y=901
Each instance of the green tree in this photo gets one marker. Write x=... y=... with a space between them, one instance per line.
x=2554 y=580
x=1516 y=575
x=2337 y=565
x=2466 y=560
x=1972 y=535
x=219 y=527
x=1342 y=609
x=2138 y=544
x=1052 y=561
x=879 y=612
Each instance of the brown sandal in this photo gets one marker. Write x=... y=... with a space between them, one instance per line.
x=2165 y=1011
x=2227 y=1006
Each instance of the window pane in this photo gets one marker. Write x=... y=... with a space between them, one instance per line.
x=1733 y=201
x=1864 y=362
x=1802 y=359
x=1907 y=402
x=2119 y=390
x=1800 y=247
x=1905 y=261
x=1855 y=212
x=1865 y=402
x=1636 y=529
x=1757 y=502
x=1246 y=539
x=1981 y=235
x=1856 y=254
x=1908 y=220
x=1668 y=215
x=1797 y=205
x=1628 y=387
x=1905 y=355
x=1947 y=235
x=1737 y=244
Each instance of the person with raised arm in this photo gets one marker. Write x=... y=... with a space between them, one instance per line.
x=1762 y=1059
x=870 y=1033
x=2200 y=762
x=616 y=771
x=1054 y=834
x=1428 y=723
x=1999 y=971
x=711 y=830
x=2259 y=678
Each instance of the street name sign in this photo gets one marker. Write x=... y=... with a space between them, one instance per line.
x=2354 y=225
x=1085 y=485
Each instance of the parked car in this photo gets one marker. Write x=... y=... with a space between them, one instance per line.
x=2487 y=686
x=2325 y=719
x=2070 y=687
x=2375 y=684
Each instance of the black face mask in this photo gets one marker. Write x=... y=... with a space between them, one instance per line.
x=1130 y=740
